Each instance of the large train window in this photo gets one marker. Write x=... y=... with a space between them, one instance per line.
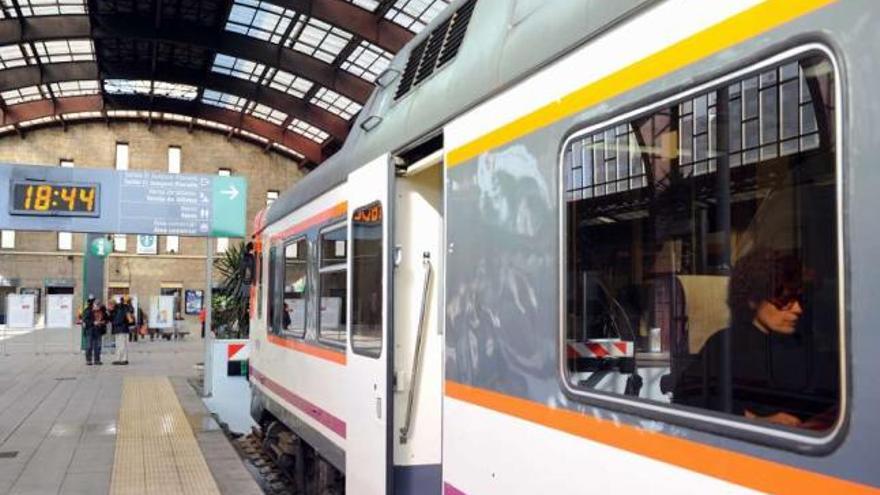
x=295 y=295
x=366 y=280
x=702 y=262
x=333 y=283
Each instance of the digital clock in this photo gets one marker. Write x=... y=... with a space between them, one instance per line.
x=55 y=199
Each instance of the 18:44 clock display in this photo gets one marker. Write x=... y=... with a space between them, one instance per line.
x=47 y=198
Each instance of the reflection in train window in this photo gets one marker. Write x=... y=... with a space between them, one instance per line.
x=366 y=280
x=293 y=312
x=701 y=254
x=333 y=283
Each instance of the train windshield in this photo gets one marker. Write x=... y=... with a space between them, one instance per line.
x=702 y=257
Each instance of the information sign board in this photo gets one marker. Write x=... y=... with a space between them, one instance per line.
x=121 y=202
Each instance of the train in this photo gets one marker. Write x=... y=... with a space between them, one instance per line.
x=573 y=246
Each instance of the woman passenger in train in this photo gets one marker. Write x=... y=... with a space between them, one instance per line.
x=770 y=375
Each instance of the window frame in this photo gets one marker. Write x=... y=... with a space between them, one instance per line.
x=307 y=292
x=360 y=350
x=338 y=267
x=707 y=420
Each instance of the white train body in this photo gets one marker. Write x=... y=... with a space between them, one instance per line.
x=443 y=366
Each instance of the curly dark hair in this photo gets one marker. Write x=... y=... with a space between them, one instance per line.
x=760 y=275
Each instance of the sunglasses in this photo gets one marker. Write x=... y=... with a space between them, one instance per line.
x=787 y=299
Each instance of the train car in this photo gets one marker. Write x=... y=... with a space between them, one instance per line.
x=575 y=245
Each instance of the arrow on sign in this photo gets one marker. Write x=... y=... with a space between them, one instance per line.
x=232 y=192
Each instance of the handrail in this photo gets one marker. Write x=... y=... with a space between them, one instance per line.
x=417 y=356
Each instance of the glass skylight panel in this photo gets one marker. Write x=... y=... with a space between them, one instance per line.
x=308 y=130
x=290 y=84
x=238 y=67
x=223 y=100
x=174 y=90
x=127 y=87
x=261 y=20
x=367 y=61
x=47 y=7
x=415 y=14
x=66 y=89
x=336 y=103
x=23 y=95
x=366 y=4
x=14 y=56
x=65 y=51
x=320 y=40
x=264 y=112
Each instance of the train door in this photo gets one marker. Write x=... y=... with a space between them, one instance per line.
x=368 y=456
x=418 y=341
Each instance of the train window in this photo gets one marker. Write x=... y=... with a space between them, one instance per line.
x=702 y=268
x=295 y=295
x=333 y=282
x=273 y=290
x=366 y=280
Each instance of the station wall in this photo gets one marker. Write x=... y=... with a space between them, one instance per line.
x=36 y=260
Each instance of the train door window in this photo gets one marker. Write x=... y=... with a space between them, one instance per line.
x=366 y=280
x=333 y=283
x=273 y=295
x=295 y=294
x=702 y=267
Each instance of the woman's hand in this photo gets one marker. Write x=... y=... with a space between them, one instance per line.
x=780 y=418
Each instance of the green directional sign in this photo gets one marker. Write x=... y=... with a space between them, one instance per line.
x=101 y=247
x=228 y=202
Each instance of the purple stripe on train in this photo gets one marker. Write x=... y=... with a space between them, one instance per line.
x=335 y=424
x=451 y=490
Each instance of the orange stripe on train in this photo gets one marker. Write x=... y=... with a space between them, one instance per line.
x=734 y=467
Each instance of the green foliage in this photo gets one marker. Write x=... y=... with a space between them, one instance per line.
x=230 y=308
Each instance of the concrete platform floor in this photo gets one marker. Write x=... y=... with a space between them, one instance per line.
x=58 y=417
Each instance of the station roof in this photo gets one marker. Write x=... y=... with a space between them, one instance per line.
x=288 y=74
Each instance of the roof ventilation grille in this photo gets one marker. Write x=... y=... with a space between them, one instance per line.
x=436 y=50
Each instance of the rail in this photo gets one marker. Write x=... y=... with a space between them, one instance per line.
x=417 y=356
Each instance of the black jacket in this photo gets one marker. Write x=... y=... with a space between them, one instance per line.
x=120 y=318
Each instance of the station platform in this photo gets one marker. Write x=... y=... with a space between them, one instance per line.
x=139 y=429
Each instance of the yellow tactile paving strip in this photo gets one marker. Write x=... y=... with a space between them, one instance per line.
x=156 y=451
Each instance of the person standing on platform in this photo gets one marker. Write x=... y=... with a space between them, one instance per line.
x=94 y=326
x=119 y=315
x=130 y=319
x=203 y=314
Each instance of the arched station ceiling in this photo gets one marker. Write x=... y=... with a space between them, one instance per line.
x=289 y=74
